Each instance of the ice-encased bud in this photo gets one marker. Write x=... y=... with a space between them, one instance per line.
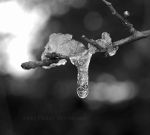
x=111 y=50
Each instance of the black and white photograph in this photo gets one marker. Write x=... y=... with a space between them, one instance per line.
x=74 y=67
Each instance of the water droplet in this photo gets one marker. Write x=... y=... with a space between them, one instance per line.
x=82 y=92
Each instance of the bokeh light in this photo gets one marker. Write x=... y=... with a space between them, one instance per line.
x=108 y=89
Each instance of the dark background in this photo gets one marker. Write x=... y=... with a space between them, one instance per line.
x=119 y=100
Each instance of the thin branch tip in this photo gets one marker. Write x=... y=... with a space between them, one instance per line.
x=106 y=2
x=120 y=17
x=50 y=59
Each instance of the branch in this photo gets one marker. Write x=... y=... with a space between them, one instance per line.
x=94 y=43
x=54 y=58
x=136 y=36
x=63 y=44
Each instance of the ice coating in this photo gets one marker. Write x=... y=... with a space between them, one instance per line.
x=78 y=54
x=82 y=64
x=62 y=44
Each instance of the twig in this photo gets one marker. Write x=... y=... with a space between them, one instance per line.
x=94 y=43
x=54 y=55
x=32 y=64
x=50 y=59
x=35 y=64
x=123 y=20
x=136 y=36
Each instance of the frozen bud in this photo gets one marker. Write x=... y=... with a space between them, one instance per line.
x=106 y=36
x=107 y=42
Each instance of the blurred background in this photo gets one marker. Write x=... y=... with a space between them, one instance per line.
x=43 y=102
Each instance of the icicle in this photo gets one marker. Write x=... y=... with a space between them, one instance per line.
x=82 y=64
x=82 y=82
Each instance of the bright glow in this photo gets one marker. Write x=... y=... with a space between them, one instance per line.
x=110 y=90
x=23 y=25
x=14 y=19
x=18 y=52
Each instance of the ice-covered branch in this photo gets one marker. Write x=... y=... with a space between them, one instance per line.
x=61 y=47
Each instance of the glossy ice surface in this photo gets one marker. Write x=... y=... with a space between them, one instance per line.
x=78 y=54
